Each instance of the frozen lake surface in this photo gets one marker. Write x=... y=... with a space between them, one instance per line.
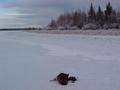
x=28 y=61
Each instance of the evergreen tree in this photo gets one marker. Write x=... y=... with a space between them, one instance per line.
x=108 y=11
x=53 y=24
x=91 y=14
x=100 y=16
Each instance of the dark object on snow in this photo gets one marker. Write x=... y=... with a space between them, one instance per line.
x=62 y=78
x=72 y=79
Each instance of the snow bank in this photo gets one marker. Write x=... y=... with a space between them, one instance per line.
x=90 y=26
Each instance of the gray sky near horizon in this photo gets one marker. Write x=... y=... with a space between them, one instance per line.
x=24 y=13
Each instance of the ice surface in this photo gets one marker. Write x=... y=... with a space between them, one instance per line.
x=28 y=61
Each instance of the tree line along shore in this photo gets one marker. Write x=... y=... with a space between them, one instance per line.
x=92 y=19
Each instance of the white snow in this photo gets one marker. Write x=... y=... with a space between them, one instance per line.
x=28 y=61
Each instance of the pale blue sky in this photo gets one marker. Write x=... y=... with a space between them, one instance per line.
x=23 y=13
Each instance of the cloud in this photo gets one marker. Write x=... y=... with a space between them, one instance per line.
x=40 y=12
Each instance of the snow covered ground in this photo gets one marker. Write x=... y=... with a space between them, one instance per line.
x=28 y=61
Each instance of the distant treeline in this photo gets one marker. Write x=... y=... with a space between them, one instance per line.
x=14 y=29
x=80 y=18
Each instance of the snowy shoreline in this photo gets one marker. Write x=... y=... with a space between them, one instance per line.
x=111 y=32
